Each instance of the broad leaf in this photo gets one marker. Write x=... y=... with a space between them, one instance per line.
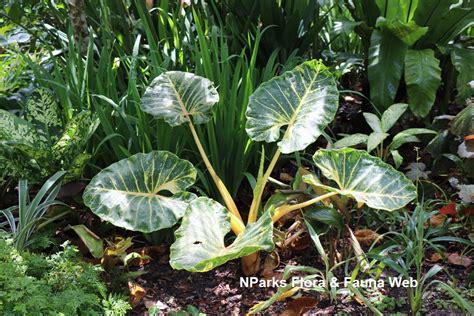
x=143 y=193
x=422 y=76
x=463 y=61
x=392 y=114
x=463 y=123
x=386 y=59
x=176 y=96
x=351 y=140
x=375 y=139
x=408 y=32
x=373 y=121
x=325 y=214
x=304 y=100
x=366 y=178
x=93 y=242
x=199 y=245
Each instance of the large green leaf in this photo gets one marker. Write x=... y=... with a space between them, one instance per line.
x=176 y=96
x=463 y=61
x=199 y=245
x=408 y=32
x=366 y=178
x=444 y=18
x=134 y=193
x=423 y=76
x=304 y=100
x=386 y=59
x=463 y=123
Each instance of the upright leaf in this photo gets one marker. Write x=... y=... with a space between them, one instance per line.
x=199 y=245
x=373 y=121
x=386 y=59
x=176 y=96
x=463 y=61
x=366 y=178
x=392 y=114
x=304 y=100
x=145 y=192
x=422 y=76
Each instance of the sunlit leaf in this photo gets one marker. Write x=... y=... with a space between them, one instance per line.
x=175 y=96
x=365 y=178
x=145 y=192
x=199 y=245
x=304 y=100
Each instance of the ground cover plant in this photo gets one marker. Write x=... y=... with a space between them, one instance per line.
x=225 y=157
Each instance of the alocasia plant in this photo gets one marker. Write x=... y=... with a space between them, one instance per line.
x=302 y=102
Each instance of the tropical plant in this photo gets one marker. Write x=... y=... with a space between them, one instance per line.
x=147 y=192
x=30 y=212
x=380 y=128
x=41 y=142
x=407 y=38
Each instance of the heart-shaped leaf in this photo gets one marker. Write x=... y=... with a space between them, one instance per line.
x=176 y=96
x=199 y=245
x=366 y=178
x=134 y=193
x=304 y=100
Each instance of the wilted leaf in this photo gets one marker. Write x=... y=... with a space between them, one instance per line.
x=435 y=257
x=299 y=306
x=137 y=292
x=458 y=260
x=448 y=209
x=366 y=236
x=272 y=261
x=437 y=220
x=466 y=192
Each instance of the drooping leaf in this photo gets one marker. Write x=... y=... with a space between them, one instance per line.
x=397 y=158
x=463 y=123
x=15 y=130
x=392 y=114
x=199 y=245
x=304 y=100
x=134 y=193
x=463 y=61
x=408 y=32
x=386 y=60
x=325 y=214
x=423 y=77
x=175 y=96
x=351 y=140
x=366 y=178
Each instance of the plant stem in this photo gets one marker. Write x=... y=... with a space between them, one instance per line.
x=285 y=209
x=229 y=202
x=260 y=187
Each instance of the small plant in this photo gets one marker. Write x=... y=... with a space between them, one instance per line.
x=381 y=127
x=57 y=284
x=147 y=192
x=42 y=142
x=30 y=212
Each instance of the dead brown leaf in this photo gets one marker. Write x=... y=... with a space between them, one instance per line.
x=272 y=261
x=137 y=292
x=366 y=236
x=435 y=257
x=299 y=306
x=437 y=220
x=458 y=260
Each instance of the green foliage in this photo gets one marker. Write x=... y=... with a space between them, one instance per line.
x=39 y=144
x=381 y=127
x=390 y=27
x=30 y=212
x=57 y=284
